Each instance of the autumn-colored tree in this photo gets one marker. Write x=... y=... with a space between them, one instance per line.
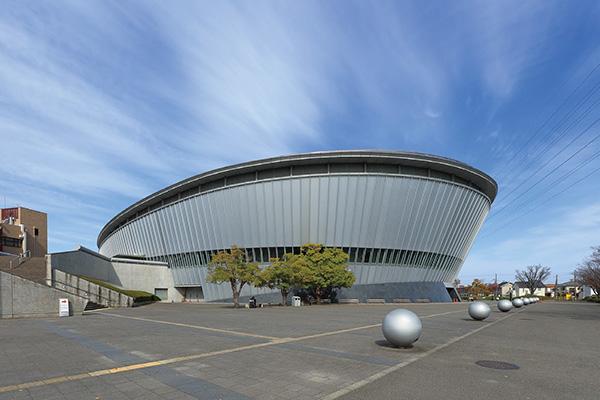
x=478 y=289
x=285 y=274
x=328 y=266
x=233 y=266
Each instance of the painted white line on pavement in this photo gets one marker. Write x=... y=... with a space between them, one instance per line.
x=273 y=342
x=205 y=328
x=387 y=371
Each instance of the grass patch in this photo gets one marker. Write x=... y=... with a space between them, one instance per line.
x=139 y=296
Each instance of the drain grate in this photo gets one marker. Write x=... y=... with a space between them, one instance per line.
x=496 y=364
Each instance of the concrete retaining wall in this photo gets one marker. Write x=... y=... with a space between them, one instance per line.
x=124 y=273
x=23 y=298
x=82 y=262
x=94 y=293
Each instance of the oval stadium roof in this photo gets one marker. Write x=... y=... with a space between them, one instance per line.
x=344 y=161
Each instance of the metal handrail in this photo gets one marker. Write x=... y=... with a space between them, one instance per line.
x=20 y=259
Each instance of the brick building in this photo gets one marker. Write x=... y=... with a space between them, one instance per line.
x=23 y=231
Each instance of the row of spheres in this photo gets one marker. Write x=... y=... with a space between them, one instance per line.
x=402 y=327
x=479 y=310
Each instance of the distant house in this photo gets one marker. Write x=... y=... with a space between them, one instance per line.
x=570 y=287
x=505 y=288
x=522 y=289
x=586 y=291
x=550 y=290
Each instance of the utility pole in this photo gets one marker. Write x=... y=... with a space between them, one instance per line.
x=574 y=285
x=556 y=288
x=495 y=286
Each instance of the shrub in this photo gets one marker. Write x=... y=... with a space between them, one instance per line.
x=592 y=299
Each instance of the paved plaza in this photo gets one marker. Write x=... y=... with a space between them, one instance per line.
x=185 y=351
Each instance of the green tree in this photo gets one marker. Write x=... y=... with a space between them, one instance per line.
x=233 y=266
x=328 y=266
x=286 y=274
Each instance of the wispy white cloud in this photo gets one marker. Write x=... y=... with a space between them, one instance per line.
x=510 y=37
x=113 y=100
x=560 y=243
x=432 y=114
x=71 y=135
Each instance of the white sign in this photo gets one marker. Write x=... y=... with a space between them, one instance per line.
x=63 y=307
x=296 y=302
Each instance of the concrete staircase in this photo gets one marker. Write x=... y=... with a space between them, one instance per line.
x=25 y=290
x=21 y=298
x=32 y=268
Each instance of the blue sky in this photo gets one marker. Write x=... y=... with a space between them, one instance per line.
x=102 y=103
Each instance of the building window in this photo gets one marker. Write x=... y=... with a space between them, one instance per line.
x=10 y=242
x=36 y=232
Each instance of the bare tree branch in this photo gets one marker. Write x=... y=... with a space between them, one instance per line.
x=532 y=276
x=588 y=272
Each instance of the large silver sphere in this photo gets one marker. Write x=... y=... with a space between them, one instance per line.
x=479 y=310
x=401 y=327
x=526 y=301
x=518 y=303
x=505 y=305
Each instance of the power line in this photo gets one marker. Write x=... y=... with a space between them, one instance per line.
x=553 y=114
x=541 y=204
x=555 y=168
x=568 y=173
x=555 y=140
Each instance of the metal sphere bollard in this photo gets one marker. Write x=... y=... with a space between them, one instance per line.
x=401 y=327
x=479 y=310
x=526 y=301
x=505 y=305
x=518 y=303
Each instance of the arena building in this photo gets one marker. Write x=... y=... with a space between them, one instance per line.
x=407 y=220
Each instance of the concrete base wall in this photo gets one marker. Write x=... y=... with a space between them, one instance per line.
x=435 y=292
x=147 y=277
x=124 y=273
x=23 y=298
